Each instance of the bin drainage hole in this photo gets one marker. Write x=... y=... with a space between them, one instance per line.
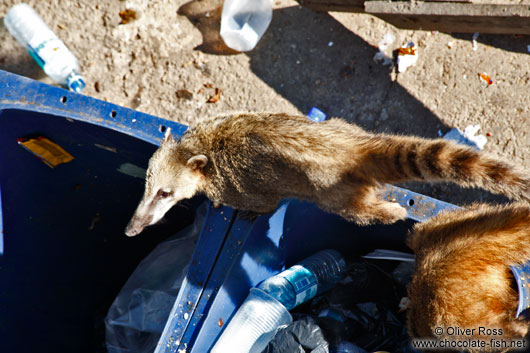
x=162 y=128
x=411 y=202
x=63 y=99
x=113 y=114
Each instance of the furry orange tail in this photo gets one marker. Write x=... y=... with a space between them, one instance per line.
x=410 y=158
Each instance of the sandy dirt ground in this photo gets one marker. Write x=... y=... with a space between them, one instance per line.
x=161 y=64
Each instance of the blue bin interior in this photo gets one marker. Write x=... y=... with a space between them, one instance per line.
x=252 y=251
x=65 y=255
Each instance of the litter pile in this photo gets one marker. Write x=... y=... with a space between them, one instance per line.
x=360 y=314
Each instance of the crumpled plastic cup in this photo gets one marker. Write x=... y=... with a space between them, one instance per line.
x=253 y=325
x=243 y=22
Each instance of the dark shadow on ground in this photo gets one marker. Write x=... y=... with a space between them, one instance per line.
x=313 y=60
x=509 y=42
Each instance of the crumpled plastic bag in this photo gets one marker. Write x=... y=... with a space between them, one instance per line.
x=139 y=313
x=307 y=335
x=301 y=336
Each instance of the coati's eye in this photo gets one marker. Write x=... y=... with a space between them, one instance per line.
x=163 y=194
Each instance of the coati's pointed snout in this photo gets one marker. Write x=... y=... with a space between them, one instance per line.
x=136 y=225
x=132 y=230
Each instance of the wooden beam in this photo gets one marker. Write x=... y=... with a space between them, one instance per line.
x=333 y=5
x=440 y=15
x=453 y=17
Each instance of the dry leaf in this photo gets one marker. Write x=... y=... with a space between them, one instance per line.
x=215 y=98
x=127 y=16
x=185 y=94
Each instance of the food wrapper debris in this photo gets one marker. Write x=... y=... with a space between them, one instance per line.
x=215 y=98
x=407 y=56
x=381 y=57
x=470 y=133
x=485 y=78
x=467 y=137
x=50 y=153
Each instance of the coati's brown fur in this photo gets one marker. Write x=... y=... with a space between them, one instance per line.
x=251 y=161
x=462 y=276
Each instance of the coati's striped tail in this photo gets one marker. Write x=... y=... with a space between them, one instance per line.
x=443 y=160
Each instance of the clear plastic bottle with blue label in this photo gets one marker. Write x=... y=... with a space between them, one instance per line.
x=306 y=279
x=44 y=46
x=267 y=306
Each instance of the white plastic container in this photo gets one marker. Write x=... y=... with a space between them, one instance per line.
x=266 y=307
x=243 y=22
x=44 y=46
x=253 y=325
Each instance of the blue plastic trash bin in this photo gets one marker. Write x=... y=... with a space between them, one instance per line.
x=64 y=256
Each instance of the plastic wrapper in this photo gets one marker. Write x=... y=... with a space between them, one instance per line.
x=139 y=313
x=47 y=151
x=381 y=55
x=301 y=336
x=407 y=56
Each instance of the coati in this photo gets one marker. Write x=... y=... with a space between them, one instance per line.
x=251 y=161
x=462 y=279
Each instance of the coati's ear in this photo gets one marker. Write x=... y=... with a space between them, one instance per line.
x=197 y=162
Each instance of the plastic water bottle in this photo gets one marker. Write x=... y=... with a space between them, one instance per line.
x=266 y=307
x=305 y=280
x=44 y=46
x=243 y=22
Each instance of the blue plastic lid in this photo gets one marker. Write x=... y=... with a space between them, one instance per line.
x=316 y=114
x=75 y=82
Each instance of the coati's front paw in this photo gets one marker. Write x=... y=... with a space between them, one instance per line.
x=376 y=212
x=393 y=212
x=384 y=212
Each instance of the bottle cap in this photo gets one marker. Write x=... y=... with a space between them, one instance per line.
x=75 y=82
x=316 y=114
